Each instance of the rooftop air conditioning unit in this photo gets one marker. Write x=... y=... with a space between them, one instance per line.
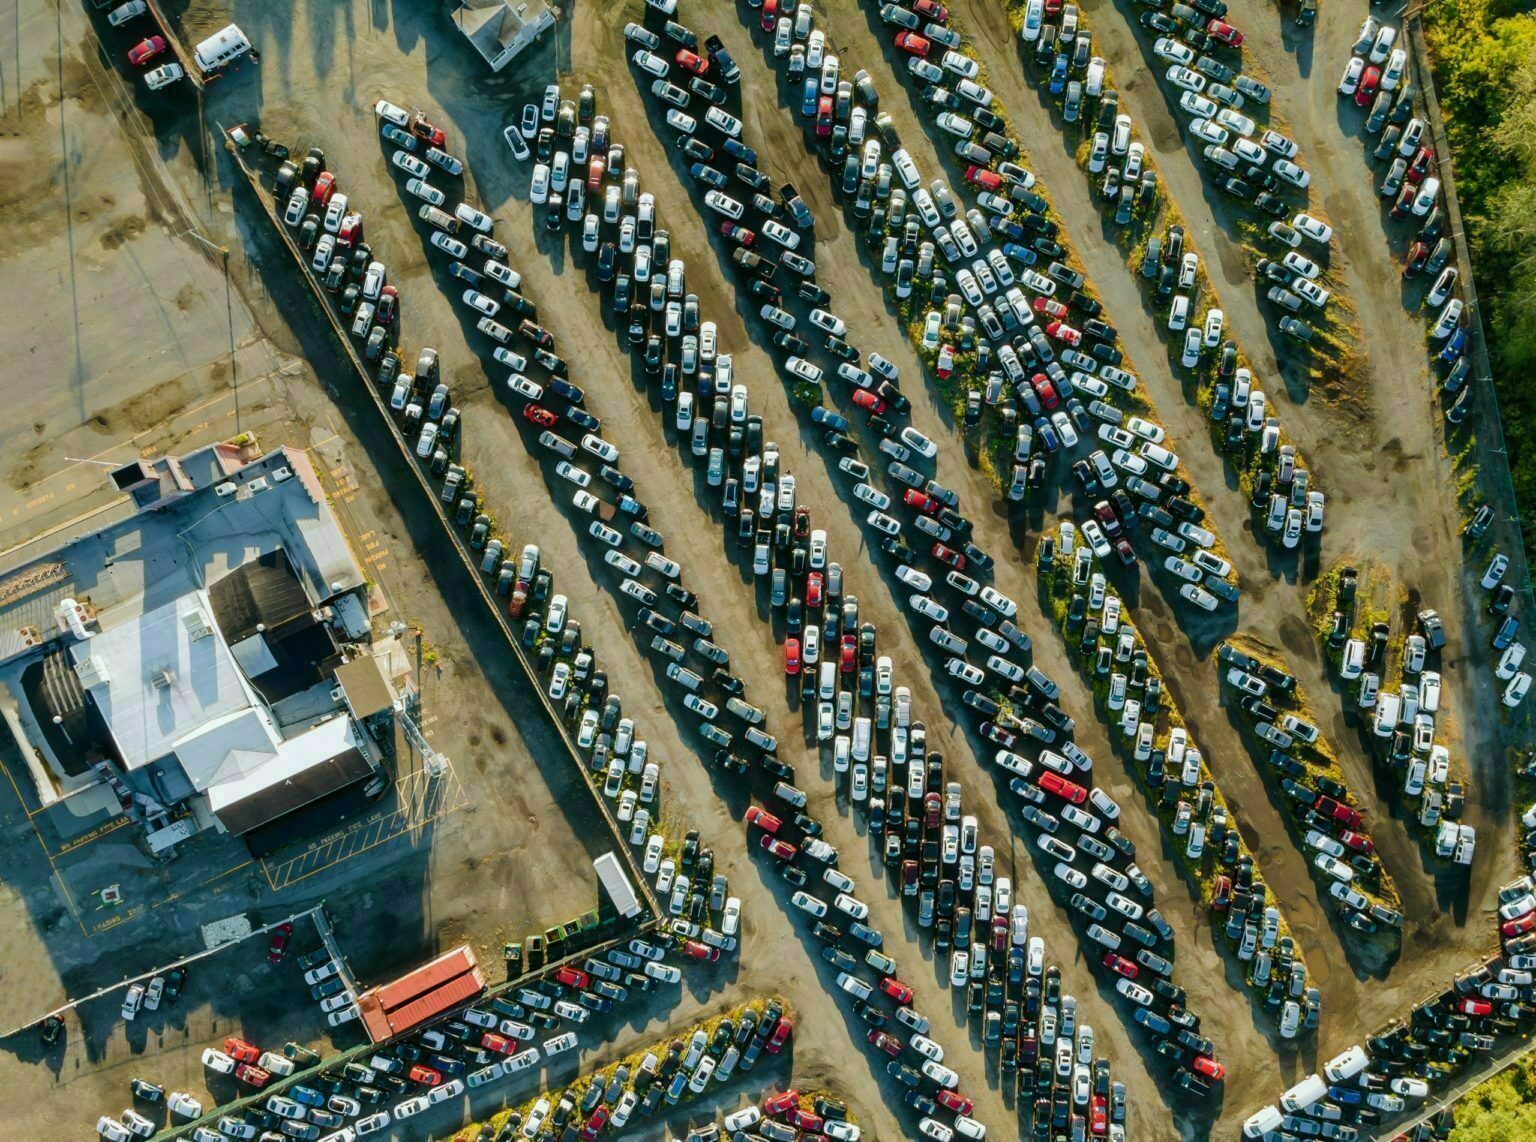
x=259 y=484
x=281 y=474
x=227 y=488
x=196 y=625
x=163 y=679
x=92 y=672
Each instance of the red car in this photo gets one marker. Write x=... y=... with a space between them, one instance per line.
x=909 y=877
x=1053 y=782
x=999 y=934
x=984 y=178
x=1423 y=163
x=781 y=1035
x=1474 y=1007
x=780 y=1103
x=1045 y=390
x=1225 y=32
x=1223 y=894
x=807 y=1120
x=738 y=234
x=770 y=14
x=922 y=501
x=141 y=53
x=1098 y=1116
x=897 y=990
x=933 y=810
x=954 y=1101
x=781 y=849
x=241 y=1051
x=1050 y=307
x=1209 y=1067
x=538 y=414
x=1417 y=256
x=763 y=819
x=945 y=555
x=1349 y=818
x=813 y=590
x=849 y=652
x=573 y=977
x=351 y=231
x=913 y=44
x=868 y=401
x=1064 y=333
x=435 y=136
x=1369 y=82
x=596 y=168
x=823 y=116
x=1357 y=841
x=498 y=1043
x=699 y=951
x=389 y=304
x=946 y=362
x=595 y=1124
x=253 y=1075
x=325 y=186
x=1121 y=965
x=887 y=1043
x=931 y=10
x=280 y=937
x=1519 y=926
x=690 y=62
x=426 y=1076
x=791 y=656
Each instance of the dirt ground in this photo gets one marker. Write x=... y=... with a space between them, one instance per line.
x=1387 y=479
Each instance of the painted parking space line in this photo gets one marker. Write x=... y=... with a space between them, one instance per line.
x=420 y=800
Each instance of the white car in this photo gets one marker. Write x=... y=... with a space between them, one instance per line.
x=216 y=1060
x=1312 y=228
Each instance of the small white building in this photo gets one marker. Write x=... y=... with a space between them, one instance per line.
x=500 y=29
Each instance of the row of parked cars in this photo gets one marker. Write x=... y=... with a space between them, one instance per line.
x=1409 y=1059
x=855 y=744
x=663 y=629
x=739 y=447
x=1401 y=720
x=1337 y=843
x=860 y=778
x=1113 y=656
x=1223 y=110
x=1222 y=105
x=1375 y=79
x=1039 y=335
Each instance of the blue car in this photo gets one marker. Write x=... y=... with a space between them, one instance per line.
x=829 y=419
x=1021 y=254
x=743 y=152
x=1058 y=75
x=1045 y=431
x=810 y=97
x=1455 y=347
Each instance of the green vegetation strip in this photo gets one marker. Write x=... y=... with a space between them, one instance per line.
x=1483 y=57
x=576 y=1089
x=1131 y=239
x=1056 y=592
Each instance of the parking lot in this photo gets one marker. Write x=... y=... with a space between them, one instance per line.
x=1375 y=444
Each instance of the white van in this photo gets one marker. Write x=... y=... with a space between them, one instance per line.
x=1346 y=1066
x=220 y=48
x=1304 y=1094
x=1264 y=1122
x=1353 y=661
x=1388 y=706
